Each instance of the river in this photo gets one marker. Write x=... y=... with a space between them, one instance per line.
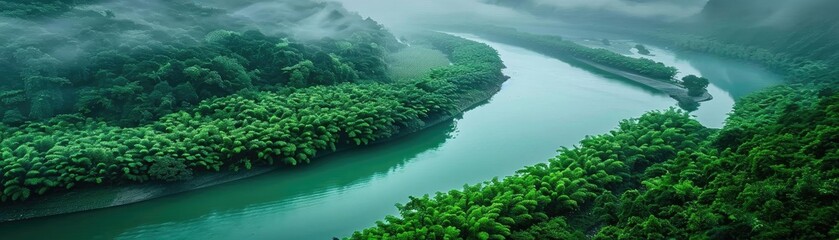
x=546 y=104
x=730 y=80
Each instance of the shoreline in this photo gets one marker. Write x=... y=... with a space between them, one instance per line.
x=673 y=90
x=100 y=197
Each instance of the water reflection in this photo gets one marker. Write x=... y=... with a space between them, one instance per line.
x=730 y=79
x=545 y=105
x=256 y=197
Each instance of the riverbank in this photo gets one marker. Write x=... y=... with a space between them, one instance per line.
x=547 y=103
x=88 y=199
x=673 y=90
x=407 y=107
x=642 y=70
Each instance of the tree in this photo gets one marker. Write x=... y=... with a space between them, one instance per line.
x=245 y=129
x=696 y=85
x=41 y=82
x=688 y=104
x=642 y=49
x=169 y=170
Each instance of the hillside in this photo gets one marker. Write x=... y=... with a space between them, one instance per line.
x=807 y=28
x=769 y=173
x=133 y=63
x=118 y=93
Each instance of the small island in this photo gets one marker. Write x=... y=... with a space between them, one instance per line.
x=644 y=71
x=642 y=50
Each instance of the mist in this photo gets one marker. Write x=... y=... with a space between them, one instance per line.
x=302 y=19
x=399 y=15
x=771 y=13
x=525 y=119
x=668 y=9
x=148 y=23
x=408 y=14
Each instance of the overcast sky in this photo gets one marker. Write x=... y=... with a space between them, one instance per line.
x=398 y=12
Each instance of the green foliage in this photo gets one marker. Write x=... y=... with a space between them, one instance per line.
x=41 y=83
x=770 y=173
x=534 y=203
x=246 y=129
x=642 y=49
x=415 y=62
x=170 y=170
x=757 y=178
x=797 y=69
x=563 y=49
x=696 y=85
x=555 y=229
x=687 y=104
x=131 y=71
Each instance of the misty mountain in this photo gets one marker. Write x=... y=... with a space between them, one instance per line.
x=404 y=16
x=609 y=10
x=775 y=13
x=133 y=62
x=806 y=28
x=304 y=19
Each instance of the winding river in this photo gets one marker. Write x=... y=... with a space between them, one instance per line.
x=546 y=104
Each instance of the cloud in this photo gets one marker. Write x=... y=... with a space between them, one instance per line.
x=639 y=8
x=303 y=19
x=398 y=13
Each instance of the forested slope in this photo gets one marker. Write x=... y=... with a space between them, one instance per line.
x=180 y=99
x=131 y=63
x=802 y=28
x=557 y=47
x=770 y=173
x=795 y=38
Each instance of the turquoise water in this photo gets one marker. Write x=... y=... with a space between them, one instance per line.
x=730 y=80
x=546 y=104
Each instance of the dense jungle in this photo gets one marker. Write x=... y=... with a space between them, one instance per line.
x=477 y=119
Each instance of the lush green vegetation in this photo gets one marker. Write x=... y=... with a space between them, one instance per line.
x=107 y=63
x=796 y=69
x=242 y=130
x=696 y=85
x=559 y=48
x=414 y=62
x=771 y=173
x=529 y=202
x=116 y=97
